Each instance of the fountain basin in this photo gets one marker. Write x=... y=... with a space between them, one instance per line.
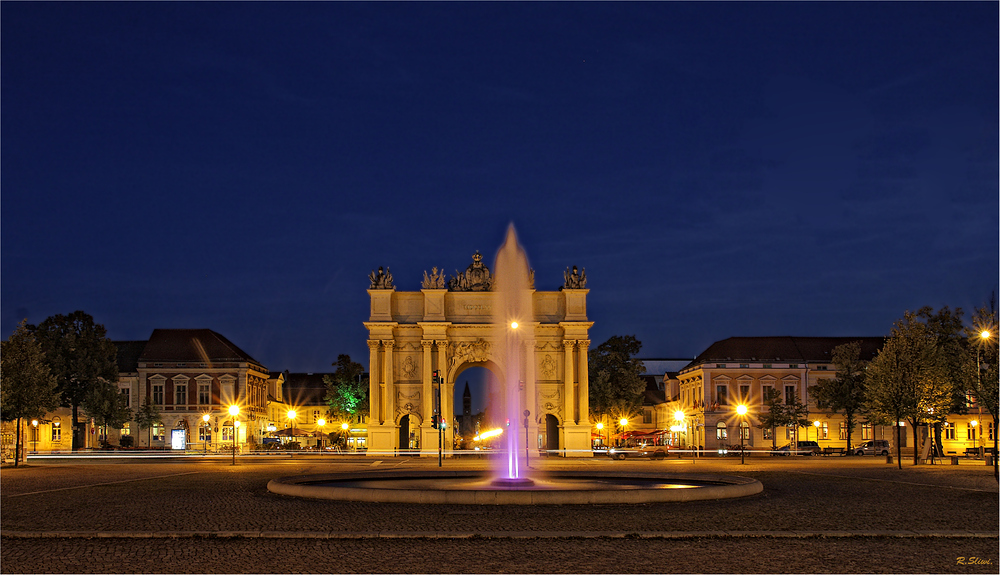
x=477 y=488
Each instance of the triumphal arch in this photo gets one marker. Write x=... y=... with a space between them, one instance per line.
x=447 y=327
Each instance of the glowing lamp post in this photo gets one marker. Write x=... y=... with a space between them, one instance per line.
x=234 y=411
x=984 y=336
x=741 y=410
x=347 y=432
x=816 y=425
x=208 y=434
x=291 y=419
x=679 y=426
x=321 y=423
x=34 y=435
x=600 y=430
x=975 y=444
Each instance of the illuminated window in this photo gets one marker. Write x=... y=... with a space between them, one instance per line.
x=970 y=432
x=158 y=431
x=949 y=430
x=767 y=433
x=824 y=431
x=227 y=433
x=744 y=430
x=126 y=429
x=843 y=430
x=56 y=430
x=721 y=431
x=867 y=432
x=992 y=429
x=204 y=433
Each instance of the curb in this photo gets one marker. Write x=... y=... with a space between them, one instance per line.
x=905 y=534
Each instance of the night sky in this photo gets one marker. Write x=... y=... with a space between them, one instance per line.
x=719 y=169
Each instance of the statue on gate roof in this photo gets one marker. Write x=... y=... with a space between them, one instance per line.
x=575 y=279
x=477 y=277
x=381 y=280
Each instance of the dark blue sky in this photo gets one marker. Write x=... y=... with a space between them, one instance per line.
x=719 y=169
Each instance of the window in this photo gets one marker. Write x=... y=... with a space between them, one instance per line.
x=767 y=366
x=767 y=433
x=721 y=431
x=227 y=433
x=315 y=415
x=970 y=399
x=128 y=396
x=204 y=393
x=744 y=431
x=866 y=431
x=821 y=367
x=949 y=430
x=158 y=394
x=720 y=394
x=970 y=432
x=745 y=394
x=720 y=365
x=823 y=431
x=790 y=394
x=992 y=429
x=765 y=392
x=647 y=416
x=745 y=365
x=180 y=394
x=126 y=429
x=843 y=430
x=204 y=433
x=56 y=431
x=158 y=431
x=793 y=365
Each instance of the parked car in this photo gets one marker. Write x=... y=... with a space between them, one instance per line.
x=804 y=448
x=650 y=451
x=874 y=447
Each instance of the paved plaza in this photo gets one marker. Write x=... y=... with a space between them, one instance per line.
x=832 y=515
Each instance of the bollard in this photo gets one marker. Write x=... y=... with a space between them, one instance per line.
x=954 y=460
x=888 y=459
x=989 y=461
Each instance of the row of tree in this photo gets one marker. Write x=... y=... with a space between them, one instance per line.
x=930 y=366
x=66 y=360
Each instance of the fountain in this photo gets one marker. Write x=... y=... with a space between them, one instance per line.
x=513 y=318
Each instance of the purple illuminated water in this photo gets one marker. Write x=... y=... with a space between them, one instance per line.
x=513 y=324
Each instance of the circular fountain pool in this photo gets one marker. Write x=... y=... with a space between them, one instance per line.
x=475 y=488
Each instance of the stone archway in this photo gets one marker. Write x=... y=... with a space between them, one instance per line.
x=446 y=328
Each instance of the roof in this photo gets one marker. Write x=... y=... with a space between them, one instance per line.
x=662 y=366
x=785 y=348
x=194 y=345
x=304 y=388
x=128 y=355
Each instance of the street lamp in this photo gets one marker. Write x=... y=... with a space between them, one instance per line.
x=600 y=431
x=320 y=422
x=816 y=425
x=34 y=435
x=208 y=432
x=679 y=418
x=622 y=423
x=234 y=411
x=291 y=417
x=741 y=410
x=975 y=444
x=984 y=336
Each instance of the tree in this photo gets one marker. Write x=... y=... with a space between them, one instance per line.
x=107 y=406
x=845 y=393
x=774 y=416
x=78 y=353
x=27 y=388
x=346 y=388
x=956 y=357
x=986 y=387
x=615 y=386
x=906 y=380
x=146 y=416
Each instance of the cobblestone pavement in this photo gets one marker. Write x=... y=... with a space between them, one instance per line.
x=815 y=514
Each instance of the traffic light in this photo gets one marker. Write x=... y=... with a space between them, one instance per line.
x=434 y=377
x=434 y=422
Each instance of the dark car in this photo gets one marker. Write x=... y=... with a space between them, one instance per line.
x=874 y=447
x=803 y=448
x=650 y=451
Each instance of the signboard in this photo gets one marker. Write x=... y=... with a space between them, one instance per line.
x=177 y=439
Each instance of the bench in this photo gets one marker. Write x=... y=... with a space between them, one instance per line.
x=827 y=451
x=972 y=452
